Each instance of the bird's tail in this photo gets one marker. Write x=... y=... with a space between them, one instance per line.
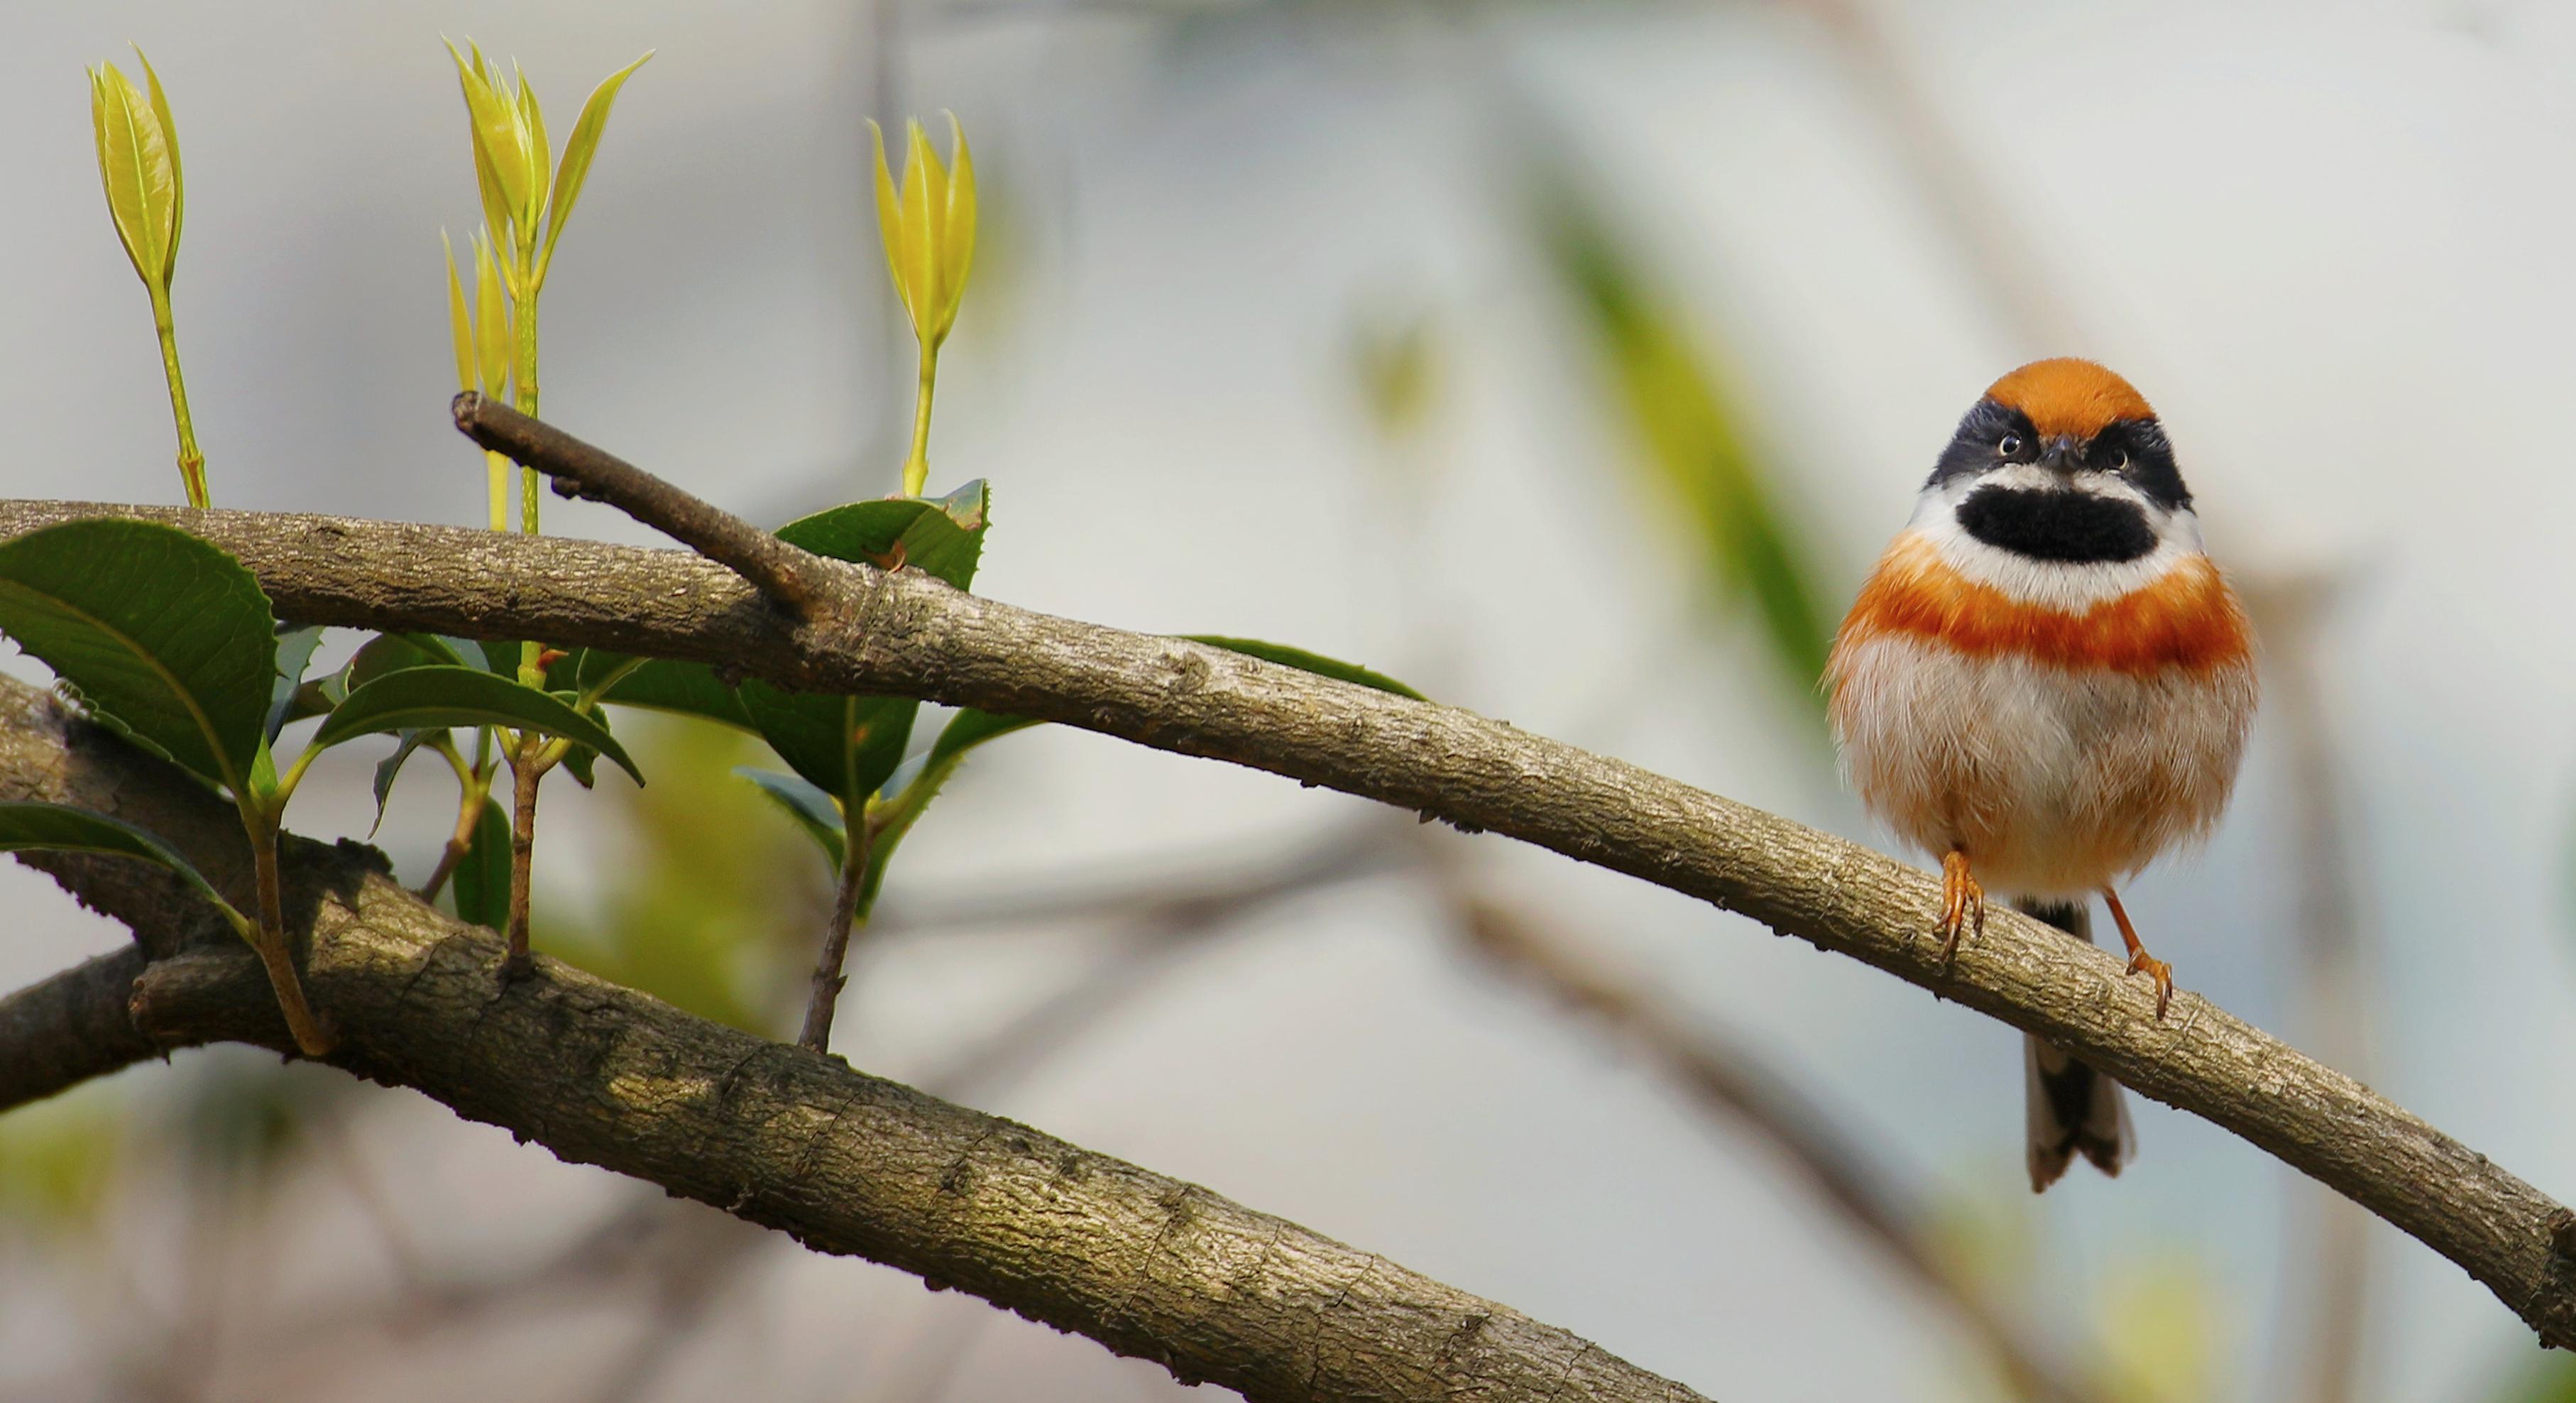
x=2070 y=1108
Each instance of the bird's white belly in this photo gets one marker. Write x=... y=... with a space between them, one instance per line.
x=2053 y=781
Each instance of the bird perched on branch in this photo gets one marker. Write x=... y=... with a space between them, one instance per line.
x=2045 y=684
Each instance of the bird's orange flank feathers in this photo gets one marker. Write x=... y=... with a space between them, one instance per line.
x=2187 y=619
x=2069 y=396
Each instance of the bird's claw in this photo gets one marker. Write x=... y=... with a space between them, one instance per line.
x=2159 y=971
x=1963 y=904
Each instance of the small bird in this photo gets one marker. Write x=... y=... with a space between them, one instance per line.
x=2045 y=684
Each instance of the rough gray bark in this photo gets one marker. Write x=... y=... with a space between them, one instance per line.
x=909 y=635
x=844 y=1162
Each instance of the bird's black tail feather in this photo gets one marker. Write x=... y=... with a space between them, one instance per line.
x=2070 y=1108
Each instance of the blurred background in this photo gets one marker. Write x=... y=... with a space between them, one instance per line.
x=1571 y=362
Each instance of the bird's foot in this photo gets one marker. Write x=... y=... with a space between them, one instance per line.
x=2140 y=962
x=1963 y=903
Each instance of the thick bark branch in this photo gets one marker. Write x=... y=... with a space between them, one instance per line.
x=65 y=1030
x=780 y=1136
x=905 y=634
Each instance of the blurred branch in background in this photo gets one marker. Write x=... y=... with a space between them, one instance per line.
x=1963 y=198
x=2329 y=1259
x=1161 y=921
x=1725 y=1079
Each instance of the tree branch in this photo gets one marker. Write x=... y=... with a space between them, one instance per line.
x=62 y=1031
x=776 y=568
x=843 y=1162
x=907 y=635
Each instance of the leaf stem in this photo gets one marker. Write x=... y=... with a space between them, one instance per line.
x=192 y=463
x=528 y=759
x=310 y=1037
x=498 y=466
x=524 y=315
x=848 y=912
x=916 y=468
x=472 y=784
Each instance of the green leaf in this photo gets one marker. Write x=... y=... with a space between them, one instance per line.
x=135 y=164
x=500 y=161
x=532 y=125
x=164 y=636
x=1304 y=661
x=849 y=746
x=581 y=760
x=463 y=696
x=482 y=877
x=294 y=651
x=686 y=689
x=941 y=536
x=26 y=825
x=392 y=652
x=178 y=175
x=811 y=808
x=970 y=728
x=586 y=131
x=391 y=766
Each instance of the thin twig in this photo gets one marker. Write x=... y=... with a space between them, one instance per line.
x=775 y=568
x=825 y=994
x=525 y=772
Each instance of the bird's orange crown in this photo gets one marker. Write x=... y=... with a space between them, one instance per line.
x=2067 y=396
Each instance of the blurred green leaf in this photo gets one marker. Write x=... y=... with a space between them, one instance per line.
x=2549 y=1379
x=482 y=877
x=240 y=1115
x=1687 y=422
x=443 y=695
x=2159 y=1323
x=1397 y=365
x=811 y=808
x=57 y=1156
x=28 y=824
x=712 y=894
x=164 y=636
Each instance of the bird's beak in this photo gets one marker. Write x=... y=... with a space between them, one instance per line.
x=2061 y=454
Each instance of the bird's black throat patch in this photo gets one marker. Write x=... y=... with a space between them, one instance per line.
x=2057 y=524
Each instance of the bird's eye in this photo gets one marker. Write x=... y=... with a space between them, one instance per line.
x=2117 y=461
x=2009 y=446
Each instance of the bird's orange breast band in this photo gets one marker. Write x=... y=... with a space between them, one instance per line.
x=2189 y=619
